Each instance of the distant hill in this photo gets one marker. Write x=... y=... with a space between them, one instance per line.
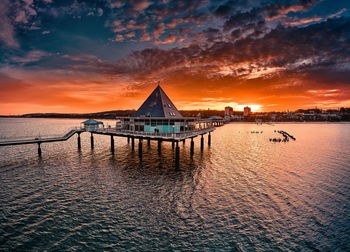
x=98 y=115
x=114 y=113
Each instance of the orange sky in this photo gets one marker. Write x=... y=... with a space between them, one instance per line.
x=90 y=56
x=64 y=92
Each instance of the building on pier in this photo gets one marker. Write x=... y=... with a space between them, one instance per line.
x=92 y=125
x=158 y=114
x=156 y=120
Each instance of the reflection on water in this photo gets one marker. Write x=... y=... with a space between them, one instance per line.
x=243 y=192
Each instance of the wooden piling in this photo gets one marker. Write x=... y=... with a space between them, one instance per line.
x=202 y=142
x=192 y=147
x=92 y=140
x=39 y=150
x=133 y=143
x=112 y=144
x=79 y=142
x=177 y=154
x=140 y=148
x=209 y=139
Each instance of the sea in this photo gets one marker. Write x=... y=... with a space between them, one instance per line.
x=242 y=193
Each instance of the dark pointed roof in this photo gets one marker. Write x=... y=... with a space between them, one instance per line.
x=158 y=104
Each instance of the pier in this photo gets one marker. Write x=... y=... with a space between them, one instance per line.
x=174 y=138
x=40 y=140
x=156 y=120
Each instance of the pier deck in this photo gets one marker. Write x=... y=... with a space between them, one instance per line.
x=171 y=137
x=175 y=138
x=39 y=140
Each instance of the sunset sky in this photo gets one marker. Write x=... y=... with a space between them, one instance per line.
x=89 y=56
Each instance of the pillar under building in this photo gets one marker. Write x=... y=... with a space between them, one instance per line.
x=177 y=154
x=192 y=147
x=112 y=144
x=79 y=141
x=133 y=143
x=140 y=148
x=39 y=149
x=202 y=142
x=92 y=140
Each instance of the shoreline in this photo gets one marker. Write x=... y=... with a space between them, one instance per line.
x=235 y=122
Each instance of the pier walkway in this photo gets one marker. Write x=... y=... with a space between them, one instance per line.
x=39 y=140
x=174 y=138
x=171 y=137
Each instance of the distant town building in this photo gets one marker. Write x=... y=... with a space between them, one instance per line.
x=247 y=111
x=228 y=112
x=237 y=116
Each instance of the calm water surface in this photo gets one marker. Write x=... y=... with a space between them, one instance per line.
x=243 y=193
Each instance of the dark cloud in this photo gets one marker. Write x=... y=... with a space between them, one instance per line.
x=242 y=19
x=283 y=47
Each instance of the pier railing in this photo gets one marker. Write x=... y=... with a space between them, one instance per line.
x=185 y=134
x=37 y=138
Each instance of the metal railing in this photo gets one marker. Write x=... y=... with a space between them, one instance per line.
x=68 y=133
x=156 y=134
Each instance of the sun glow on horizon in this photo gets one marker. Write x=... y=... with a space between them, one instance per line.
x=254 y=107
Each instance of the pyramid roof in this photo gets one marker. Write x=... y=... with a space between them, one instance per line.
x=158 y=104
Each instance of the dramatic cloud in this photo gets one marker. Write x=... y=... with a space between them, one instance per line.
x=274 y=54
x=7 y=34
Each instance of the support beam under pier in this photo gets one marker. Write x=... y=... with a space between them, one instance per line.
x=209 y=139
x=133 y=143
x=92 y=141
x=192 y=147
x=79 y=141
x=112 y=144
x=177 y=154
x=39 y=150
x=202 y=142
x=140 y=148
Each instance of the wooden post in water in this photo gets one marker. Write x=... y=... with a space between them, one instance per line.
x=79 y=142
x=209 y=139
x=133 y=143
x=92 y=140
x=149 y=141
x=140 y=148
x=184 y=141
x=202 y=142
x=112 y=144
x=128 y=139
x=192 y=147
x=177 y=154
x=39 y=150
x=173 y=144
